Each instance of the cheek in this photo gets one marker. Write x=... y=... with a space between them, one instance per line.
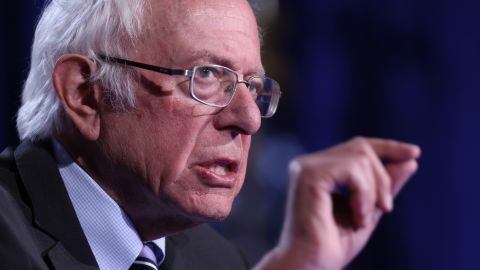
x=173 y=138
x=154 y=142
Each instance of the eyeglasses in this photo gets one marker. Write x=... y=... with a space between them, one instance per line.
x=215 y=85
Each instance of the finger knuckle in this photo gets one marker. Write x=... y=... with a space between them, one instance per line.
x=361 y=145
x=309 y=175
x=359 y=161
x=359 y=140
x=363 y=160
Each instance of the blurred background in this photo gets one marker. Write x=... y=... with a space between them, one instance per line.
x=402 y=69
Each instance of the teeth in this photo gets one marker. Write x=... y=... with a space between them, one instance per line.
x=220 y=170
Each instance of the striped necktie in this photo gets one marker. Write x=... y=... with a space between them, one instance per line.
x=150 y=257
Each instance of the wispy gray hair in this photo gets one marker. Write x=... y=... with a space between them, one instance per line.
x=85 y=27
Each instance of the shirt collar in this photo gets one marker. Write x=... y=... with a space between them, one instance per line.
x=109 y=231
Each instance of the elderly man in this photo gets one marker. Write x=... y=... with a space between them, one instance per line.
x=136 y=122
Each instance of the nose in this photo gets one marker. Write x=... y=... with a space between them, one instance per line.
x=241 y=115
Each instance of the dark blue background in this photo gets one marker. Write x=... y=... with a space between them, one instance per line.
x=402 y=69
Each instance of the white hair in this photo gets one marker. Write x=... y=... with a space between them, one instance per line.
x=85 y=27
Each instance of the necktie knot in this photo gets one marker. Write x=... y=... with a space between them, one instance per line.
x=149 y=258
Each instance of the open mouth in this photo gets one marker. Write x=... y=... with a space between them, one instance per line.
x=221 y=169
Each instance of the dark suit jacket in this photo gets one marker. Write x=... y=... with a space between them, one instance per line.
x=39 y=228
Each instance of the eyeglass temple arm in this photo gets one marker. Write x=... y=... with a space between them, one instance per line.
x=168 y=71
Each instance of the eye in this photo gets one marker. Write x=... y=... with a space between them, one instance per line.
x=208 y=73
x=230 y=89
x=256 y=85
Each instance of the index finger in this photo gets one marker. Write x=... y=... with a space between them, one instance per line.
x=395 y=151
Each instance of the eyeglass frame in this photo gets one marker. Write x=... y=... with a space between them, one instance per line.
x=190 y=73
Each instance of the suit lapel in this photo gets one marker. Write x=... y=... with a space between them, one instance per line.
x=174 y=246
x=52 y=209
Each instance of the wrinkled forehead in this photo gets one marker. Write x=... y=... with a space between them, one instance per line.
x=176 y=23
x=237 y=12
x=186 y=12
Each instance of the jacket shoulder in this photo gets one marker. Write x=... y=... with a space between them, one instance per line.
x=6 y=159
x=8 y=170
x=17 y=248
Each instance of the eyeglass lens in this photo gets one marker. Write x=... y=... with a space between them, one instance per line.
x=215 y=85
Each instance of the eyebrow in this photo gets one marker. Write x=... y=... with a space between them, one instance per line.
x=212 y=58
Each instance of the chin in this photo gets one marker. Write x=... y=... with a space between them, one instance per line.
x=210 y=208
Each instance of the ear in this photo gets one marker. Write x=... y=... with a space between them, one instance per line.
x=79 y=97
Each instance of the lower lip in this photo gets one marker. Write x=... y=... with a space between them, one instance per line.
x=212 y=179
